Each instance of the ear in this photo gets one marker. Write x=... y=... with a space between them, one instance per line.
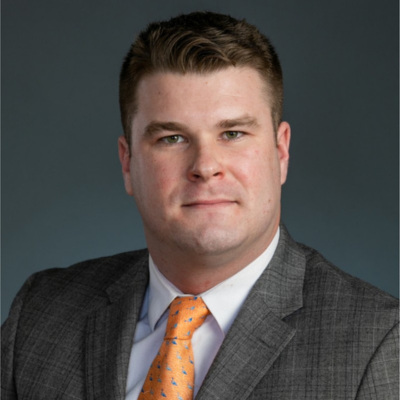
x=125 y=159
x=283 y=142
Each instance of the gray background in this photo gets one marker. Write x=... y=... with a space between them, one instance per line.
x=63 y=198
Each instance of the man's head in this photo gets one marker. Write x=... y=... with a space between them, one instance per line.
x=204 y=154
x=199 y=43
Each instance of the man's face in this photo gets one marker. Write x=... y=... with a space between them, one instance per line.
x=205 y=167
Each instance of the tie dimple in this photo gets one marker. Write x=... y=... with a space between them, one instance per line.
x=171 y=375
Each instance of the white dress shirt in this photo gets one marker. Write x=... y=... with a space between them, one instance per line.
x=224 y=302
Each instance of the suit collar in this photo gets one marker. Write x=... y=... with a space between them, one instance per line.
x=136 y=276
x=281 y=284
x=110 y=333
x=259 y=334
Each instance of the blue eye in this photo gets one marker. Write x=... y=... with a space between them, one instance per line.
x=233 y=134
x=172 y=139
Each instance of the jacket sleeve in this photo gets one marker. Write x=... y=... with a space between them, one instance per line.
x=381 y=377
x=8 y=335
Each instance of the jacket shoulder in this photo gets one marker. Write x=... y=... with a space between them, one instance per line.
x=82 y=286
x=94 y=274
x=339 y=290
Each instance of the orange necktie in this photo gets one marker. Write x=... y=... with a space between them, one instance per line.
x=171 y=374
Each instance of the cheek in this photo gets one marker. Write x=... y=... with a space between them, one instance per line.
x=163 y=172
x=258 y=172
x=255 y=165
x=155 y=178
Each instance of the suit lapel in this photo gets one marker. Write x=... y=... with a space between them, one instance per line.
x=247 y=353
x=259 y=334
x=110 y=333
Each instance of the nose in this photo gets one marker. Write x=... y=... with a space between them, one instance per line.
x=206 y=164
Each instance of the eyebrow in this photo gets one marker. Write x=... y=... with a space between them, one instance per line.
x=245 y=121
x=154 y=127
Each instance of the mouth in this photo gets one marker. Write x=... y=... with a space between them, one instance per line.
x=210 y=203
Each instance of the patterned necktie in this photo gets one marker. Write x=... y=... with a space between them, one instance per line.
x=171 y=374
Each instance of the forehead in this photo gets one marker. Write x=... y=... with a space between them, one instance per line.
x=168 y=93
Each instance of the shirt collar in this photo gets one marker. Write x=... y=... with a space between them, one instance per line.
x=223 y=300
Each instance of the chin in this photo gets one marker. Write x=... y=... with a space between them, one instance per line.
x=210 y=242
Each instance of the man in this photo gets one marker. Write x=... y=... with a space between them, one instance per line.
x=204 y=155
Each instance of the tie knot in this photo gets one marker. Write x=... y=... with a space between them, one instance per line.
x=186 y=314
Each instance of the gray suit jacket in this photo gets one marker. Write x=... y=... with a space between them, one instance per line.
x=306 y=331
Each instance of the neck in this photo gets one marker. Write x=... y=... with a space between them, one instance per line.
x=197 y=273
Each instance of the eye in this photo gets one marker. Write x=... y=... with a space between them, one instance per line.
x=172 y=139
x=233 y=135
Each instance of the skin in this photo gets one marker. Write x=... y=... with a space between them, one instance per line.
x=206 y=172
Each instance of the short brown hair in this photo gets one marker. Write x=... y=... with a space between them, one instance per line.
x=198 y=42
